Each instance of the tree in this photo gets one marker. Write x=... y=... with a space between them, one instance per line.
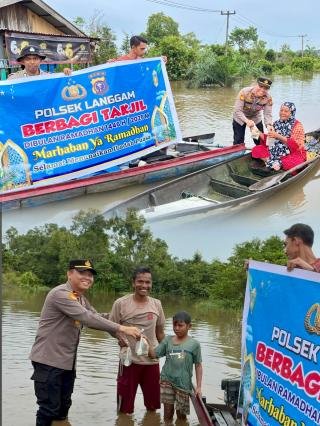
x=132 y=244
x=271 y=55
x=159 y=26
x=125 y=45
x=243 y=38
x=180 y=55
x=105 y=46
x=212 y=69
x=191 y=41
x=286 y=54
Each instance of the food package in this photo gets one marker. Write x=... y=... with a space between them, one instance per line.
x=255 y=132
x=125 y=356
x=142 y=347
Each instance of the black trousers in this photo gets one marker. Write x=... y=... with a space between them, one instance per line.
x=239 y=131
x=53 y=388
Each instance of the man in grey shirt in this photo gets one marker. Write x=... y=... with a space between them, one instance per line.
x=53 y=354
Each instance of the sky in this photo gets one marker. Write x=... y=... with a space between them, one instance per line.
x=278 y=22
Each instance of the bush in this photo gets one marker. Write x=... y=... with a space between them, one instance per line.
x=302 y=64
x=211 y=69
x=30 y=280
x=265 y=66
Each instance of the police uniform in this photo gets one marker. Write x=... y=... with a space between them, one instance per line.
x=251 y=107
x=53 y=354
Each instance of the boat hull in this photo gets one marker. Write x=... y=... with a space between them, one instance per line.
x=224 y=186
x=219 y=414
x=183 y=163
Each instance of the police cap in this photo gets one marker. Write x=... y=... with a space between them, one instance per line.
x=30 y=50
x=82 y=265
x=264 y=82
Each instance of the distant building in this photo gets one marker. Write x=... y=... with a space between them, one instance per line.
x=33 y=22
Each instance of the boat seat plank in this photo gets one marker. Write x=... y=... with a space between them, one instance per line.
x=227 y=188
x=220 y=419
x=228 y=418
x=263 y=171
x=243 y=180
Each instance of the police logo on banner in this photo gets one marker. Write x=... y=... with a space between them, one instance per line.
x=99 y=82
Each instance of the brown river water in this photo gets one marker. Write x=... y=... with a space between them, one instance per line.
x=94 y=398
x=204 y=111
x=199 y=111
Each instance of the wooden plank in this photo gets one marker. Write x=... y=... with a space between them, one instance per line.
x=228 y=418
x=220 y=419
x=201 y=410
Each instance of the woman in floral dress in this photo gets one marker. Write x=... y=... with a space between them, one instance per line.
x=283 y=146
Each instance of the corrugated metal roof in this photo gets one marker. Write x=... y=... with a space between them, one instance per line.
x=46 y=12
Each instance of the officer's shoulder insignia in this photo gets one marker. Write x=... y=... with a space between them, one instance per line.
x=72 y=296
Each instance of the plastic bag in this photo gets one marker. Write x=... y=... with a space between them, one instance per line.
x=142 y=347
x=125 y=356
x=255 y=132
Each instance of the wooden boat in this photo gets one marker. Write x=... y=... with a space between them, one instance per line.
x=183 y=158
x=219 y=414
x=231 y=184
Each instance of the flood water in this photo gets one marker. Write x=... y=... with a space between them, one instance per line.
x=94 y=398
x=199 y=111
x=202 y=111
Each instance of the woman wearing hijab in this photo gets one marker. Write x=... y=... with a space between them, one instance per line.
x=283 y=146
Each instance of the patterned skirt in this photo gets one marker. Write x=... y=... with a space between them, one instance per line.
x=173 y=396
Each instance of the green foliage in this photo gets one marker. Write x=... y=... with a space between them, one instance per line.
x=26 y=280
x=270 y=55
x=125 y=45
x=106 y=47
x=191 y=41
x=30 y=280
x=229 y=289
x=119 y=245
x=270 y=250
x=159 y=26
x=218 y=49
x=265 y=66
x=246 y=55
x=285 y=55
x=258 y=50
x=180 y=55
x=133 y=245
x=311 y=51
x=316 y=65
x=245 y=66
x=212 y=69
x=302 y=64
x=243 y=38
x=95 y=27
x=11 y=278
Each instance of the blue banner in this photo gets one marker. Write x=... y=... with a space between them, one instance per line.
x=281 y=347
x=54 y=128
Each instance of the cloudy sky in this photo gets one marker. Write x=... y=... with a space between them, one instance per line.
x=278 y=21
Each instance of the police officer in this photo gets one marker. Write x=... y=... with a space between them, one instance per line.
x=53 y=354
x=30 y=58
x=253 y=106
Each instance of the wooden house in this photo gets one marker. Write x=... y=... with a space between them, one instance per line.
x=33 y=22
